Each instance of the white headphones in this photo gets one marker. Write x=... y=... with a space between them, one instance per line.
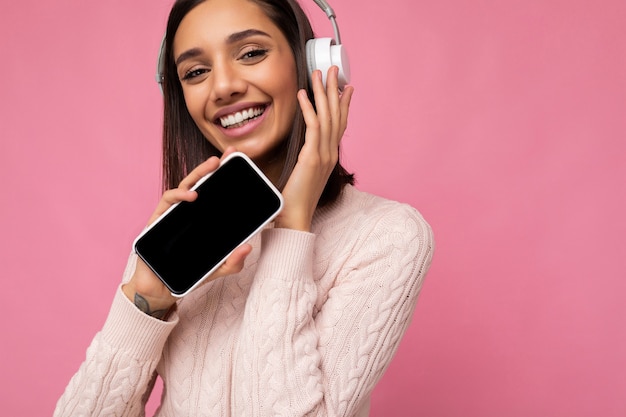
x=321 y=53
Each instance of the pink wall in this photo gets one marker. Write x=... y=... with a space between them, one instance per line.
x=502 y=121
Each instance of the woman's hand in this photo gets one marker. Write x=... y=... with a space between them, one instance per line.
x=144 y=288
x=320 y=152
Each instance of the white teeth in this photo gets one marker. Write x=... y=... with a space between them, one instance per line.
x=240 y=117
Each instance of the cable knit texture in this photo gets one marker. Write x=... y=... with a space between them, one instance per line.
x=306 y=329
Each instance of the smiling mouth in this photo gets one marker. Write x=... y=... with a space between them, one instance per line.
x=240 y=118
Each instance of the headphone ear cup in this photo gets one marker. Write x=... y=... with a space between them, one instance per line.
x=322 y=53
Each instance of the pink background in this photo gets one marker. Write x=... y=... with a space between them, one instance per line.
x=503 y=122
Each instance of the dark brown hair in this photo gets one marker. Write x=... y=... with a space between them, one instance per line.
x=185 y=147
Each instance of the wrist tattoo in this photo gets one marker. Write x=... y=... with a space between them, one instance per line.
x=143 y=305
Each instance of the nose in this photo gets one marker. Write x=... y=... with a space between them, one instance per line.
x=226 y=82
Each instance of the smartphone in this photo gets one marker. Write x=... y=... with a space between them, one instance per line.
x=188 y=242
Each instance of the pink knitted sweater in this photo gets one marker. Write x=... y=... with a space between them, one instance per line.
x=307 y=328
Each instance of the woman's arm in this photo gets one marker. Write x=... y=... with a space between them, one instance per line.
x=292 y=361
x=118 y=372
x=299 y=358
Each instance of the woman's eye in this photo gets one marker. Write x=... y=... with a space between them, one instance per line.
x=194 y=73
x=253 y=55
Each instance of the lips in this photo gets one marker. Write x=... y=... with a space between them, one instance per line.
x=240 y=118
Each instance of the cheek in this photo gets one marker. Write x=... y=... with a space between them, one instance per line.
x=194 y=105
x=286 y=106
x=286 y=86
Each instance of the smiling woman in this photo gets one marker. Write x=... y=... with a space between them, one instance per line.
x=228 y=63
x=185 y=145
x=305 y=318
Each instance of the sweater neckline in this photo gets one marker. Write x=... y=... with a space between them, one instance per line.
x=329 y=210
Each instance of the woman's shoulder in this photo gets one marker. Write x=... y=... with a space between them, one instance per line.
x=356 y=203
x=360 y=212
x=363 y=231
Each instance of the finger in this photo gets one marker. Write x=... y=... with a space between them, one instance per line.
x=344 y=105
x=323 y=112
x=310 y=119
x=200 y=171
x=227 y=152
x=171 y=197
x=204 y=168
x=332 y=95
x=235 y=261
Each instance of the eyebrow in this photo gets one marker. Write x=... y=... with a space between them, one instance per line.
x=232 y=38
x=238 y=36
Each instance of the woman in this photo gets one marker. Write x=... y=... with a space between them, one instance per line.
x=309 y=322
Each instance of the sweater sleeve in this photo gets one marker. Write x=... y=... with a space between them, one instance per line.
x=117 y=375
x=296 y=360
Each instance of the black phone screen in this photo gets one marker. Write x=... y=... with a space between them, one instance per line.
x=194 y=237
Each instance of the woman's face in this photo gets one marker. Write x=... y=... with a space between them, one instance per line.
x=238 y=76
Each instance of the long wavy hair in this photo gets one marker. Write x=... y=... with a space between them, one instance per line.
x=185 y=147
